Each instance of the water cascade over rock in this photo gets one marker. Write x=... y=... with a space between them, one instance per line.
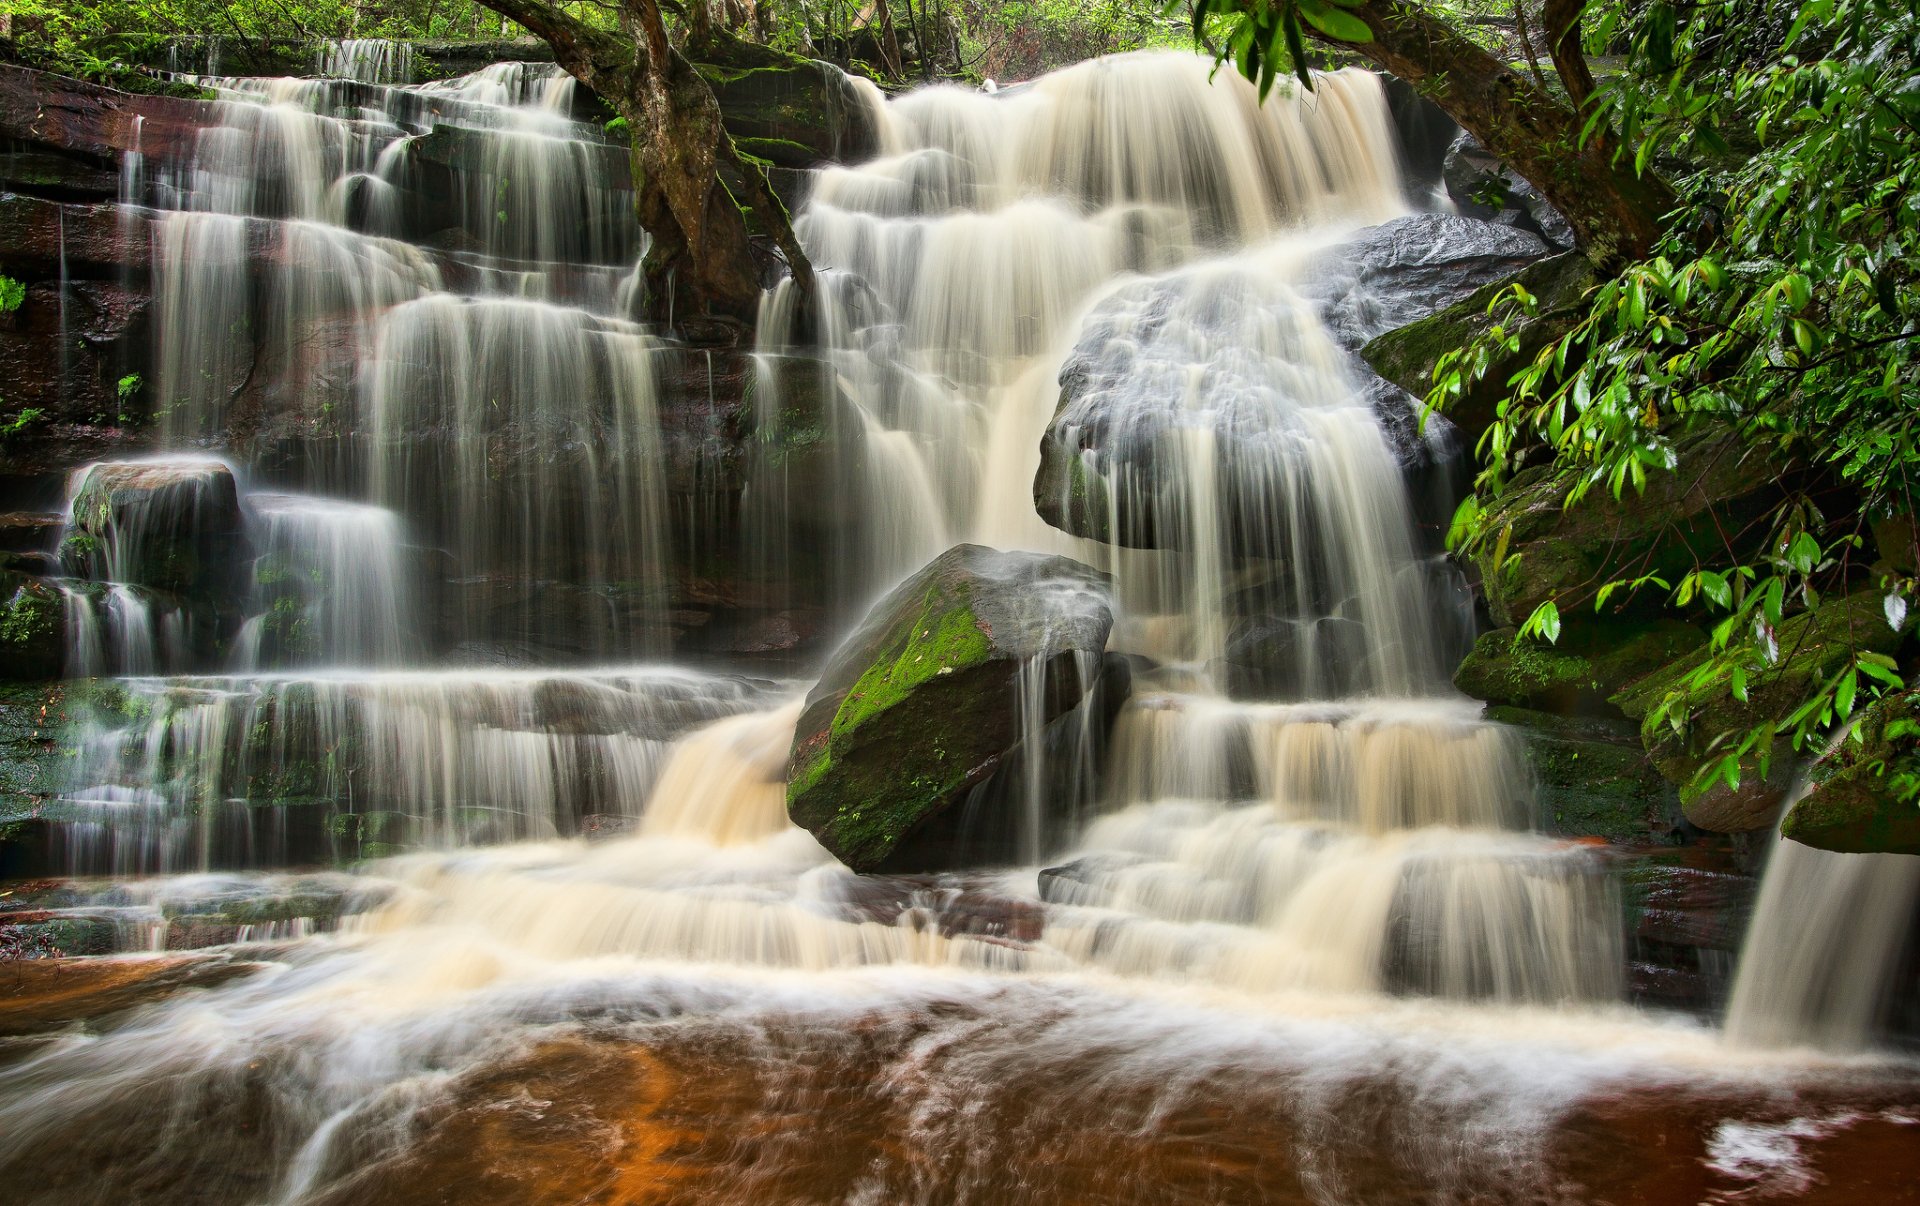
x=967 y=659
x=1135 y=840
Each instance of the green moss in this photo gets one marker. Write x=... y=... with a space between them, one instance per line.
x=944 y=637
x=1865 y=798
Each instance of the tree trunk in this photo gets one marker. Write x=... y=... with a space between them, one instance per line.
x=1615 y=213
x=701 y=262
x=889 y=42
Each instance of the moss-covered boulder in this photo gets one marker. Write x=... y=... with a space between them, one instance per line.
x=172 y=525
x=1813 y=645
x=924 y=702
x=1865 y=795
x=1543 y=549
x=33 y=628
x=1578 y=675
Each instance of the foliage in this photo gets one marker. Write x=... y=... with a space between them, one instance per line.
x=1264 y=39
x=1781 y=301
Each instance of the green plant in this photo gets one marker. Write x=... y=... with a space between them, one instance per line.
x=1780 y=304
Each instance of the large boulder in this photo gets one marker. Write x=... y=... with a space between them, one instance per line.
x=1218 y=363
x=168 y=524
x=1406 y=355
x=1148 y=375
x=1861 y=800
x=1398 y=272
x=1813 y=645
x=924 y=702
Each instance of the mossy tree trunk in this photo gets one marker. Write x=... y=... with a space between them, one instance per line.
x=1616 y=213
x=701 y=261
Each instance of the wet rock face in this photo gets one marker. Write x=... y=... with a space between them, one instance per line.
x=1405 y=356
x=1484 y=187
x=922 y=704
x=1237 y=360
x=1398 y=272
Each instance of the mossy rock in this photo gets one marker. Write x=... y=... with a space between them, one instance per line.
x=922 y=703
x=1862 y=798
x=1813 y=645
x=792 y=111
x=35 y=719
x=33 y=628
x=1539 y=548
x=1593 y=661
x=1406 y=355
x=1594 y=777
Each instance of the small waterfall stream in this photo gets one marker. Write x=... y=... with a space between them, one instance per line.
x=1305 y=884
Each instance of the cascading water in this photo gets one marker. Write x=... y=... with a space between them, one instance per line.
x=1307 y=919
x=1823 y=948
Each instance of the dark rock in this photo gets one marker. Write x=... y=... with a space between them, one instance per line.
x=95 y=126
x=1125 y=390
x=1084 y=880
x=787 y=110
x=1484 y=187
x=922 y=703
x=1594 y=777
x=1406 y=355
x=1687 y=910
x=1856 y=804
x=1424 y=133
x=31 y=531
x=1282 y=657
x=1387 y=276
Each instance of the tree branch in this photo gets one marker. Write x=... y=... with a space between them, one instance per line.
x=1562 y=19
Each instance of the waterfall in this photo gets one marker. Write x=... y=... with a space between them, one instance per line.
x=1283 y=908
x=329 y=584
x=1823 y=947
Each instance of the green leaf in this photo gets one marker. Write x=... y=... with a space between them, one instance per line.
x=1335 y=24
x=1544 y=622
